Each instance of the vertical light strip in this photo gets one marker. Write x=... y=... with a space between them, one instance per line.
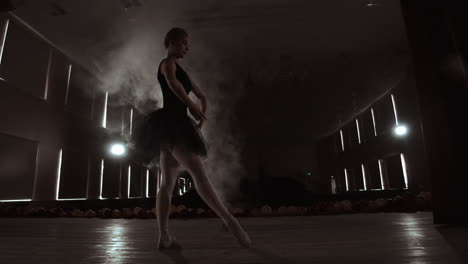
x=120 y=180
x=46 y=90
x=333 y=185
x=36 y=165
x=381 y=174
x=403 y=165
x=88 y=178
x=358 y=133
x=104 y=118
x=342 y=141
x=394 y=109
x=59 y=171
x=68 y=83
x=346 y=179
x=19 y=200
x=131 y=120
x=123 y=122
x=185 y=185
x=147 y=182
x=102 y=176
x=2 y=44
x=92 y=105
x=364 y=176
x=128 y=180
x=179 y=186
x=373 y=121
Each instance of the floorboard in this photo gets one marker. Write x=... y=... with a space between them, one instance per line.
x=395 y=238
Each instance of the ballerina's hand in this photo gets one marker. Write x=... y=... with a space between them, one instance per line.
x=204 y=105
x=199 y=125
x=197 y=113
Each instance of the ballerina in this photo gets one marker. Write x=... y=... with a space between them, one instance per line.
x=173 y=136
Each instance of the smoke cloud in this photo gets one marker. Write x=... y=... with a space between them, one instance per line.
x=128 y=70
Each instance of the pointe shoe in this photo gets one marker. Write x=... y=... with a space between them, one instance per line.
x=165 y=244
x=245 y=241
x=242 y=237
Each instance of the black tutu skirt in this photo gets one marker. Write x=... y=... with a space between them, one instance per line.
x=164 y=129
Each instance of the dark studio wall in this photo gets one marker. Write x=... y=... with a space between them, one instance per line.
x=51 y=115
x=372 y=156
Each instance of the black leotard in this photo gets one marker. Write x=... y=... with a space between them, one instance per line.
x=170 y=125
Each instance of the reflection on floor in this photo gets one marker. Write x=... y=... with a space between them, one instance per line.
x=355 y=238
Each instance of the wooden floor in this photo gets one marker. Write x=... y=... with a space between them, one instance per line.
x=395 y=238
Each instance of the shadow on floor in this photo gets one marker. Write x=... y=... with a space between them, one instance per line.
x=270 y=257
x=457 y=237
x=176 y=256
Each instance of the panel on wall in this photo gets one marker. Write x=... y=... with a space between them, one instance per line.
x=127 y=115
x=99 y=107
x=111 y=178
x=58 y=79
x=80 y=93
x=124 y=180
x=17 y=167
x=153 y=182
x=356 y=178
x=395 y=175
x=136 y=180
x=350 y=136
x=137 y=119
x=340 y=180
x=114 y=114
x=346 y=139
x=384 y=116
x=24 y=54
x=74 y=174
x=366 y=126
x=351 y=179
x=373 y=175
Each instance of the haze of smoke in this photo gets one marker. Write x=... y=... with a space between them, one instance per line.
x=130 y=72
x=222 y=81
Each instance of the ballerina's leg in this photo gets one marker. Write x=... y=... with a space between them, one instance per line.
x=169 y=168
x=204 y=187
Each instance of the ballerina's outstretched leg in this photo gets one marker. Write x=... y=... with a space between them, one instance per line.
x=204 y=187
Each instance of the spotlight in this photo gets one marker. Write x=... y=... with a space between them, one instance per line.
x=401 y=130
x=117 y=149
x=372 y=3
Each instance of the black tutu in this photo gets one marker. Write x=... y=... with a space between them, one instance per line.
x=164 y=129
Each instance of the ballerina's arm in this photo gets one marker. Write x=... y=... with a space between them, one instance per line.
x=200 y=95
x=169 y=71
